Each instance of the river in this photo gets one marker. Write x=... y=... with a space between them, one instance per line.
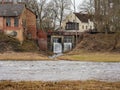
x=59 y=70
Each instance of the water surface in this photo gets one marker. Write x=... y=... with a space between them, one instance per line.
x=58 y=70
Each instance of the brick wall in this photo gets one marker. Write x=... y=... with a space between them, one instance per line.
x=42 y=40
x=1 y=23
x=28 y=18
x=31 y=23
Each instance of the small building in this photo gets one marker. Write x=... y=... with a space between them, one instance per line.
x=18 y=21
x=78 y=21
x=63 y=41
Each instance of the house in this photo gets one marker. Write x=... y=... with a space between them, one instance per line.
x=70 y=35
x=18 y=21
x=78 y=21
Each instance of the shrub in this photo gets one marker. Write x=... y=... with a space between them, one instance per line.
x=11 y=44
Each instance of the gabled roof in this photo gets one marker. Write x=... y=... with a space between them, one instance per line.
x=83 y=17
x=11 y=9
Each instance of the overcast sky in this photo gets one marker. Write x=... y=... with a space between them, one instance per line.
x=77 y=3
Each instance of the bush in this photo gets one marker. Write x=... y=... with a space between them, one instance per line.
x=11 y=44
x=8 y=43
x=29 y=46
x=99 y=42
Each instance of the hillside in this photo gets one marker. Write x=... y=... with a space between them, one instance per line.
x=96 y=48
x=11 y=44
x=99 y=42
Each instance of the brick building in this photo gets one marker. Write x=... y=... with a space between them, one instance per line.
x=18 y=21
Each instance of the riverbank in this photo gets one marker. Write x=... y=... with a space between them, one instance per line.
x=97 y=47
x=64 y=85
x=71 y=56
x=22 y=56
x=91 y=56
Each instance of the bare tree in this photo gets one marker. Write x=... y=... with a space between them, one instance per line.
x=40 y=11
x=50 y=13
x=87 y=6
x=107 y=15
x=38 y=7
x=62 y=8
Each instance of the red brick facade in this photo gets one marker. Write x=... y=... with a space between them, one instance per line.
x=1 y=23
x=42 y=40
x=27 y=24
x=31 y=23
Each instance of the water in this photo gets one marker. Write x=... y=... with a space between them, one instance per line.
x=58 y=71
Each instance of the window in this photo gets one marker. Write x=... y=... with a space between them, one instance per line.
x=67 y=39
x=8 y=21
x=57 y=40
x=86 y=27
x=83 y=27
x=72 y=26
x=16 y=22
x=90 y=27
x=77 y=26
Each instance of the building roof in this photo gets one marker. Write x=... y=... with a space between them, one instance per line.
x=11 y=9
x=83 y=17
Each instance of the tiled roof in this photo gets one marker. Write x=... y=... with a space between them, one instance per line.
x=11 y=9
x=83 y=17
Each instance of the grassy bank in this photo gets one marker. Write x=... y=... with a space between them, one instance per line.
x=76 y=56
x=92 y=56
x=96 y=47
x=22 y=56
x=64 y=85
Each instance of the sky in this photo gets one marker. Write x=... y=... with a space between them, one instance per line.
x=77 y=2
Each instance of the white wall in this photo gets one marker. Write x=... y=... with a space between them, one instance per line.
x=71 y=17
